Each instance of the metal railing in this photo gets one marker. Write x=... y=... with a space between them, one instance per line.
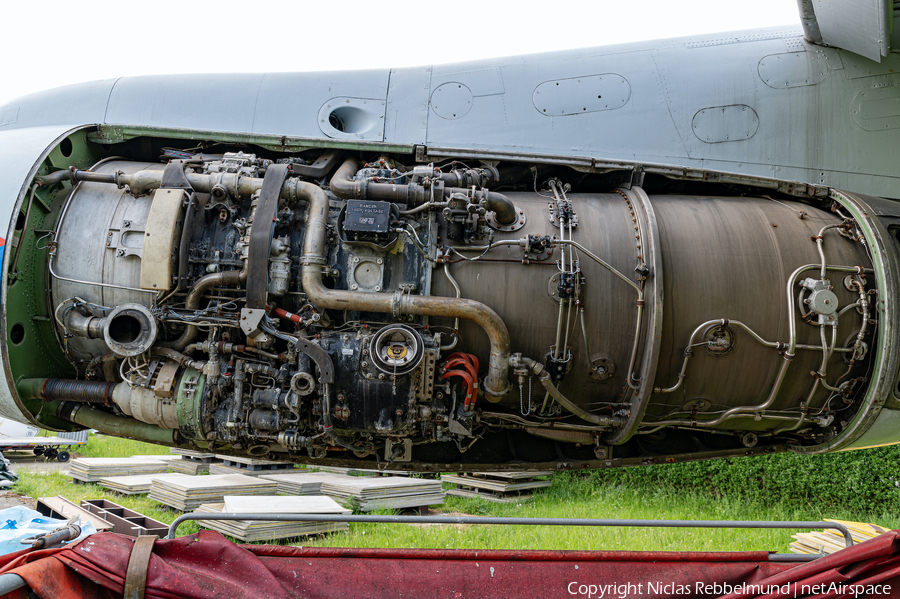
x=480 y=520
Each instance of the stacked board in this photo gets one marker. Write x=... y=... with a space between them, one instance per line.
x=91 y=470
x=831 y=540
x=163 y=457
x=385 y=492
x=191 y=462
x=359 y=471
x=499 y=487
x=303 y=483
x=135 y=484
x=185 y=493
x=261 y=530
x=248 y=466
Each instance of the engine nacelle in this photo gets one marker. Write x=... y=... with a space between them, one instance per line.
x=386 y=310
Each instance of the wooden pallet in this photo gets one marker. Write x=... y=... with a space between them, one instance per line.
x=196 y=456
x=255 y=465
x=357 y=471
x=512 y=497
x=499 y=487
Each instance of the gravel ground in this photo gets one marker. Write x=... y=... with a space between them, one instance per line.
x=12 y=499
x=27 y=462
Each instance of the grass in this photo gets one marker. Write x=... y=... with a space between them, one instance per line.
x=573 y=495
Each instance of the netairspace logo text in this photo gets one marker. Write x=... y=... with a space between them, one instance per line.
x=631 y=589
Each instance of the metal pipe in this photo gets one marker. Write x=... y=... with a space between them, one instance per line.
x=496 y=384
x=635 y=344
x=116 y=426
x=10 y=583
x=184 y=245
x=587 y=345
x=455 y=321
x=85 y=326
x=788 y=356
x=228 y=278
x=819 y=242
x=544 y=378
x=53 y=538
x=688 y=352
x=344 y=187
x=482 y=177
x=15 y=261
x=602 y=263
x=481 y=520
x=66 y=390
x=95 y=284
x=826 y=355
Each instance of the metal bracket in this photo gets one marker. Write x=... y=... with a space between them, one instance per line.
x=637 y=177
x=116 y=238
x=174 y=177
x=250 y=319
x=261 y=235
x=457 y=428
x=421 y=153
x=321 y=167
x=389 y=450
x=320 y=357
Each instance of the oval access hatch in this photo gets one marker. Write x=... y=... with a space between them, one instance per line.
x=718 y=124
x=580 y=95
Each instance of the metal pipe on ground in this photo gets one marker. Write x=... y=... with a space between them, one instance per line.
x=602 y=522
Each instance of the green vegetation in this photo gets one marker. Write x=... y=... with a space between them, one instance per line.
x=848 y=486
x=104 y=446
x=864 y=482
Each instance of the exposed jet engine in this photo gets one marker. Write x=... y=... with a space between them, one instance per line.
x=335 y=307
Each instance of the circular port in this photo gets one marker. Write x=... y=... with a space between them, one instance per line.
x=129 y=330
x=397 y=349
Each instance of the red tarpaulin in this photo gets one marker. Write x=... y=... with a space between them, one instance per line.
x=206 y=565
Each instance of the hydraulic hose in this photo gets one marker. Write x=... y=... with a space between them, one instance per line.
x=544 y=378
x=471 y=385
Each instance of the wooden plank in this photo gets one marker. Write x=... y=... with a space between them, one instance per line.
x=489 y=496
x=309 y=504
x=252 y=461
x=62 y=508
x=495 y=485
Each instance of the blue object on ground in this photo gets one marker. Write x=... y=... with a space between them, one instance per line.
x=23 y=523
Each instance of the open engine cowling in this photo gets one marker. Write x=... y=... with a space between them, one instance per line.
x=333 y=307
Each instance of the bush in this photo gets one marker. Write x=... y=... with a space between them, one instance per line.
x=864 y=480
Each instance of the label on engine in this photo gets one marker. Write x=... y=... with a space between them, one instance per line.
x=368 y=217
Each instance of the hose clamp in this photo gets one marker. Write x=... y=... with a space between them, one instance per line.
x=396 y=301
x=313 y=259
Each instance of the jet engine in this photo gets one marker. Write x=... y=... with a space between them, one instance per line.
x=376 y=309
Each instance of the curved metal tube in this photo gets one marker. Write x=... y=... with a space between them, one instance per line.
x=496 y=384
x=788 y=356
x=544 y=378
x=456 y=322
x=228 y=278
